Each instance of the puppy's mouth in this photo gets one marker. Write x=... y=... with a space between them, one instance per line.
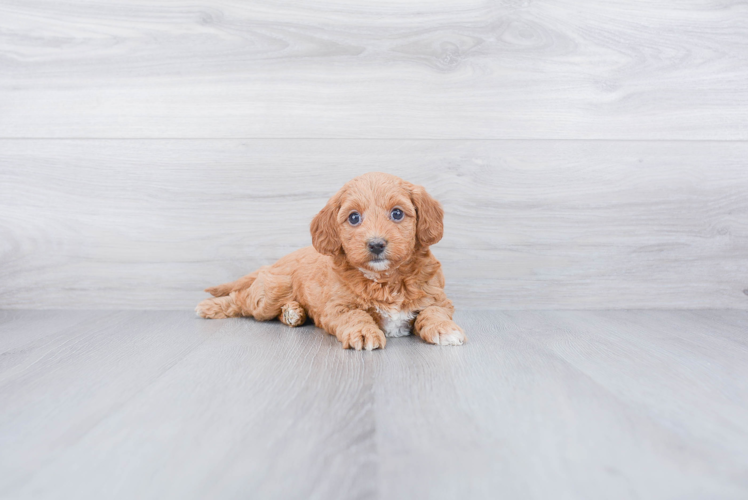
x=378 y=263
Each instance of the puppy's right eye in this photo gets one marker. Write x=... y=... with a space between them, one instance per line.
x=354 y=219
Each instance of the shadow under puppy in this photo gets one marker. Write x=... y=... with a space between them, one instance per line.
x=370 y=274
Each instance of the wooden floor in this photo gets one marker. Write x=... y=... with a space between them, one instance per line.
x=538 y=404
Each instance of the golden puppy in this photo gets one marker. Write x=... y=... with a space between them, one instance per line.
x=370 y=274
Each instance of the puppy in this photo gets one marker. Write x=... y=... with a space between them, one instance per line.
x=369 y=275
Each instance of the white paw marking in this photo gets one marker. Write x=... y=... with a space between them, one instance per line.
x=396 y=323
x=452 y=337
x=291 y=316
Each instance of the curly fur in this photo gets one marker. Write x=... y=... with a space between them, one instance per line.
x=338 y=285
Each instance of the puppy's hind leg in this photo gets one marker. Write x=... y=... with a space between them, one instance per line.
x=218 y=308
x=292 y=314
x=224 y=306
x=264 y=299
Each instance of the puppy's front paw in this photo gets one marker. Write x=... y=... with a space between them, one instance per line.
x=366 y=337
x=443 y=333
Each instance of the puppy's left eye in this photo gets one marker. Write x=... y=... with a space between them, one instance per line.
x=354 y=219
x=397 y=214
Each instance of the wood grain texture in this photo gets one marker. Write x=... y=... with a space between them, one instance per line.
x=448 y=69
x=539 y=404
x=529 y=224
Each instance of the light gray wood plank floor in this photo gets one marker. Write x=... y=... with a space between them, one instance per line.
x=538 y=404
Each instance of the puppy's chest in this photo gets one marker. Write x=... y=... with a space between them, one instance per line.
x=395 y=322
x=395 y=309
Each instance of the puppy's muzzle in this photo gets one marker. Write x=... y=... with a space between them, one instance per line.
x=376 y=246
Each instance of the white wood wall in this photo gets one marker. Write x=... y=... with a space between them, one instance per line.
x=588 y=154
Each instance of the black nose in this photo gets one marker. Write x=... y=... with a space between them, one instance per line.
x=376 y=245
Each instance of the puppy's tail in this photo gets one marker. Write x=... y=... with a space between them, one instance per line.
x=227 y=288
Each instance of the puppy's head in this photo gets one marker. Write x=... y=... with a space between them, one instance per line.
x=377 y=221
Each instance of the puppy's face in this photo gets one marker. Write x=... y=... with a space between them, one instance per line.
x=377 y=221
x=377 y=224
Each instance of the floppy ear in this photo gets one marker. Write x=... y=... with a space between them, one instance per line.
x=325 y=228
x=430 y=217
